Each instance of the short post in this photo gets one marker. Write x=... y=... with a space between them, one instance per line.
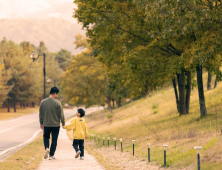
x=198 y=150
x=95 y=137
x=108 y=140
x=114 y=142
x=133 y=141
x=103 y=140
x=165 y=147
x=148 y=144
x=98 y=138
x=121 y=141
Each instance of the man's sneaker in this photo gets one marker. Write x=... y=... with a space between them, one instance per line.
x=77 y=154
x=51 y=157
x=82 y=158
x=46 y=154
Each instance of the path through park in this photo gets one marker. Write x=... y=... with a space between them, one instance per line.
x=65 y=157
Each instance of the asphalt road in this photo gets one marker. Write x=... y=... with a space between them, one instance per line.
x=19 y=132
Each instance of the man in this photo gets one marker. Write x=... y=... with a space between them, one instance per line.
x=50 y=115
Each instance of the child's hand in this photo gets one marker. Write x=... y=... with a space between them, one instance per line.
x=86 y=137
x=63 y=127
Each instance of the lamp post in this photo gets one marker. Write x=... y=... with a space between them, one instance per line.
x=148 y=144
x=115 y=142
x=165 y=148
x=121 y=141
x=133 y=141
x=108 y=140
x=34 y=57
x=198 y=149
x=103 y=140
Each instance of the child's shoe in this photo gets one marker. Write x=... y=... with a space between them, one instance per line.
x=77 y=154
x=81 y=158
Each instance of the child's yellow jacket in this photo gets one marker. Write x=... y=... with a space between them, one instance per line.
x=78 y=125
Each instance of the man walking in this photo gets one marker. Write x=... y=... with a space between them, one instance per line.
x=50 y=115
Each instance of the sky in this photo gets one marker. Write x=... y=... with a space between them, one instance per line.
x=28 y=9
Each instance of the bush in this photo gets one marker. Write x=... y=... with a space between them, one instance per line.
x=155 y=106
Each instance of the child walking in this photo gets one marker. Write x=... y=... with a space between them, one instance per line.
x=78 y=125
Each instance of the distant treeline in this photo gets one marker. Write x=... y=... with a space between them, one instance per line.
x=21 y=79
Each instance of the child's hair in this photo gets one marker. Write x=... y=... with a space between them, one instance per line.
x=82 y=112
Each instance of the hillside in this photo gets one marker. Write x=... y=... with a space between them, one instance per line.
x=57 y=33
x=155 y=120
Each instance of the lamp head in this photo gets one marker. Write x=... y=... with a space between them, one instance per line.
x=198 y=149
x=48 y=80
x=33 y=56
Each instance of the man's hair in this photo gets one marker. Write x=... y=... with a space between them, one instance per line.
x=82 y=112
x=54 y=90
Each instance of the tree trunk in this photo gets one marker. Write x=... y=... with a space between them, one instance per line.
x=209 y=81
x=20 y=105
x=215 y=83
x=119 y=102
x=15 y=105
x=109 y=103
x=203 y=110
x=176 y=93
x=24 y=105
x=188 y=91
x=8 y=106
x=113 y=103
x=182 y=95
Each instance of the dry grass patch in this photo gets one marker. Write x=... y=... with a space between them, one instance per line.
x=20 y=111
x=28 y=158
x=137 y=121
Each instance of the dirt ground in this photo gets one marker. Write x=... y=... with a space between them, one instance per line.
x=112 y=159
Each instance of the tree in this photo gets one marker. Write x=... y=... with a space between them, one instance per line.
x=84 y=80
x=64 y=58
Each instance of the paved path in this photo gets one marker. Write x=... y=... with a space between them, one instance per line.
x=65 y=157
x=19 y=132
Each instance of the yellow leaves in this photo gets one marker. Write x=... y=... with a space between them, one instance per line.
x=82 y=68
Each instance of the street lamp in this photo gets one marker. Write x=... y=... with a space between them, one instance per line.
x=48 y=80
x=34 y=57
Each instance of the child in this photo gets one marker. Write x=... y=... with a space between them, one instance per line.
x=78 y=125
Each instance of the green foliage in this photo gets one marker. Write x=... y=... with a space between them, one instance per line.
x=145 y=43
x=110 y=116
x=155 y=106
x=21 y=78
x=64 y=58
x=84 y=80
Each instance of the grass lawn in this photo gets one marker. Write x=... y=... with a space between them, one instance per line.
x=27 y=158
x=156 y=120
x=20 y=111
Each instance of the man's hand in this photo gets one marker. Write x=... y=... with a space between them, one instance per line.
x=86 y=137
x=42 y=127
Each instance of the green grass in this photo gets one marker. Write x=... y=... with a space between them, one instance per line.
x=138 y=121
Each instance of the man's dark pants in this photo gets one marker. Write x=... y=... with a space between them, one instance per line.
x=46 y=137
x=78 y=144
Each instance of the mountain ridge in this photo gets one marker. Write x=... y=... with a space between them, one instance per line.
x=56 y=33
